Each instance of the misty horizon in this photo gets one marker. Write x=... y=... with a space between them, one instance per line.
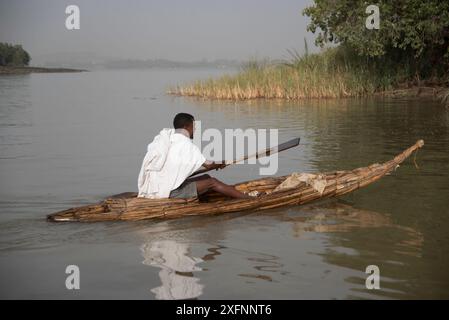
x=175 y=30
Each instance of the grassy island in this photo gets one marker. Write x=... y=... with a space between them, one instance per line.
x=408 y=55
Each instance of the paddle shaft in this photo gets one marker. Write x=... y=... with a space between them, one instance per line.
x=265 y=153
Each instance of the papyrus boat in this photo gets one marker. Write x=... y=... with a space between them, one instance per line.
x=294 y=189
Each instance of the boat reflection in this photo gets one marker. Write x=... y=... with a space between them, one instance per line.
x=353 y=239
x=338 y=217
x=358 y=238
x=177 y=267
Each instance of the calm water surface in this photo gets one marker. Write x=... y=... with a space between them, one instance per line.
x=73 y=139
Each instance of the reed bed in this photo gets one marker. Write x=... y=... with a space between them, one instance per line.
x=444 y=97
x=333 y=73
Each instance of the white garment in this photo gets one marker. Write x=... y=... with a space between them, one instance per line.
x=173 y=257
x=170 y=159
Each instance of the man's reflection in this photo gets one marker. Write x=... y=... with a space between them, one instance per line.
x=176 y=267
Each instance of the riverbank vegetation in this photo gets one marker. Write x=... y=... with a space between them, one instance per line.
x=15 y=60
x=13 y=55
x=411 y=49
x=11 y=70
x=334 y=73
x=444 y=97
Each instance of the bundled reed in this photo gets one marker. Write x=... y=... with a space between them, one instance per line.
x=128 y=207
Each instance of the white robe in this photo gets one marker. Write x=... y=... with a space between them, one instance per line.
x=170 y=159
x=173 y=257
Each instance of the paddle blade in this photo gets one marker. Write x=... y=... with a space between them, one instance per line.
x=265 y=153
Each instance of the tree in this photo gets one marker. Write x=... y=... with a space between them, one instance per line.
x=3 y=53
x=413 y=27
x=20 y=57
x=13 y=55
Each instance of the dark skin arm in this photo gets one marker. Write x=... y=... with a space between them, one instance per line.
x=214 y=165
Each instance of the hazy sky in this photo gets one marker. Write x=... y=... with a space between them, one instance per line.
x=174 y=29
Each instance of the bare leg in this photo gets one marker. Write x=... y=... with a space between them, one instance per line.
x=205 y=184
x=201 y=177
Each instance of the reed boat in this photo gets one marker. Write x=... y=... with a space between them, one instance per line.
x=289 y=190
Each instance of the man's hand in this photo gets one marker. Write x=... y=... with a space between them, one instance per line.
x=214 y=165
x=220 y=165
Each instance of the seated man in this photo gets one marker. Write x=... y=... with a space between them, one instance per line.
x=171 y=159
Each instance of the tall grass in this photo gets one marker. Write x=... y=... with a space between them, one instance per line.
x=333 y=73
x=444 y=97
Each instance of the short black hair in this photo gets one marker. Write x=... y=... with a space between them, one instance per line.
x=182 y=120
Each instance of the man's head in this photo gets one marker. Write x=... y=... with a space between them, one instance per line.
x=184 y=121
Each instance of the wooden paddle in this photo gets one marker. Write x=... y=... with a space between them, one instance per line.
x=265 y=153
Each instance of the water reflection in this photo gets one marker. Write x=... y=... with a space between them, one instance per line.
x=360 y=237
x=351 y=234
x=177 y=267
x=340 y=217
x=264 y=263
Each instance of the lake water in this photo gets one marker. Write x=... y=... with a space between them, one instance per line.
x=72 y=139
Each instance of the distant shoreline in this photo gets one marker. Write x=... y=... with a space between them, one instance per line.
x=27 y=70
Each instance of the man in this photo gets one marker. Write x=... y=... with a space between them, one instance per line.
x=171 y=159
